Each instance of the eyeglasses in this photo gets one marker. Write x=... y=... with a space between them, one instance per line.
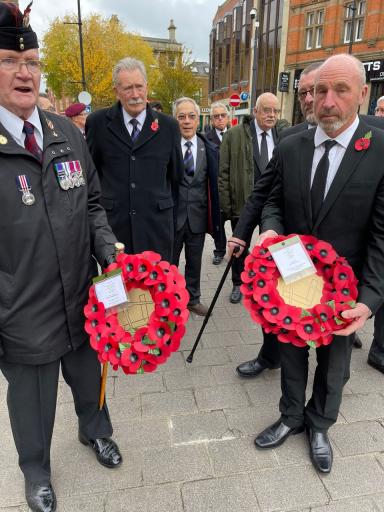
x=303 y=94
x=269 y=110
x=379 y=109
x=183 y=117
x=219 y=116
x=10 y=64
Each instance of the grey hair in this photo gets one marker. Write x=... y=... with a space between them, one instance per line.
x=357 y=63
x=380 y=100
x=183 y=99
x=262 y=97
x=311 y=67
x=128 y=64
x=218 y=104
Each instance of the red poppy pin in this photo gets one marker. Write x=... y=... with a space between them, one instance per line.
x=155 y=125
x=364 y=142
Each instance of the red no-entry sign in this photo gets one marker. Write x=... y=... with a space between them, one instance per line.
x=234 y=100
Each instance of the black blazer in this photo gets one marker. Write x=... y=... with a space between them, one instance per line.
x=352 y=215
x=139 y=180
x=256 y=152
x=212 y=136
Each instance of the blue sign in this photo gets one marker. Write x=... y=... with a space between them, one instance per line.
x=244 y=96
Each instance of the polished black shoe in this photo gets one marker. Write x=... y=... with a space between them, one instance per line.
x=357 y=343
x=276 y=434
x=250 y=368
x=217 y=259
x=320 y=450
x=40 y=498
x=236 y=295
x=376 y=365
x=106 y=450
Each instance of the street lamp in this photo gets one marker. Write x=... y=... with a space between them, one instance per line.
x=79 y=23
x=254 y=57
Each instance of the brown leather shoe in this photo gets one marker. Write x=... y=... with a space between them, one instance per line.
x=199 y=309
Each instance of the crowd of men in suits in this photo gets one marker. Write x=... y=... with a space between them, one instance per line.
x=155 y=183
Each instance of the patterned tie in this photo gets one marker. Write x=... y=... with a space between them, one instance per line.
x=30 y=143
x=263 y=151
x=189 y=166
x=320 y=180
x=135 y=130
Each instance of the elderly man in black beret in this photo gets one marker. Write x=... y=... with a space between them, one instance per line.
x=51 y=224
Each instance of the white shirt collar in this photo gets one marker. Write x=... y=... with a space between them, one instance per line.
x=259 y=131
x=219 y=132
x=140 y=118
x=193 y=140
x=15 y=124
x=344 y=138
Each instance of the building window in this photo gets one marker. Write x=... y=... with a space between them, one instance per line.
x=354 y=15
x=314 y=29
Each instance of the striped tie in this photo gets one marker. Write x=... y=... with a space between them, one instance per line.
x=30 y=143
x=135 y=129
x=189 y=165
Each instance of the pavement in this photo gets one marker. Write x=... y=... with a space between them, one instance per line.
x=186 y=433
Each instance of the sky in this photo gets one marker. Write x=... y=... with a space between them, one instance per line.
x=193 y=18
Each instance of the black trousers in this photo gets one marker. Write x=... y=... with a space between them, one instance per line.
x=31 y=398
x=238 y=264
x=376 y=353
x=269 y=354
x=332 y=372
x=194 y=245
x=221 y=242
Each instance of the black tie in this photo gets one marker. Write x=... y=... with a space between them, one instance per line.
x=263 y=151
x=135 y=130
x=221 y=135
x=320 y=180
x=189 y=166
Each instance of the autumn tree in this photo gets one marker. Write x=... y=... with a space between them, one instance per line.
x=175 y=79
x=105 y=42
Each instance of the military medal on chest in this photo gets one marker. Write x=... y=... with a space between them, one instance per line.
x=69 y=174
x=25 y=188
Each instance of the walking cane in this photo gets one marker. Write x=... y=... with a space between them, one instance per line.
x=119 y=248
x=212 y=305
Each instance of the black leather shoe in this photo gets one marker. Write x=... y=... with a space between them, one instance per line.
x=236 y=295
x=376 y=365
x=357 y=342
x=40 y=498
x=106 y=450
x=250 y=368
x=217 y=259
x=276 y=434
x=320 y=451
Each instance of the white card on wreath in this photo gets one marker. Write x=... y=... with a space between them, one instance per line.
x=292 y=259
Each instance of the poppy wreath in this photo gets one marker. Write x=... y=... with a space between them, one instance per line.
x=143 y=349
x=301 y=327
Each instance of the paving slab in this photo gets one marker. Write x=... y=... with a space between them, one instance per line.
x=374 y=503
x=160 y=498
x=362 y=407
x=167 y=404
x=220 y=494
x=221 y=397
x=358 y=438
x=199 y=428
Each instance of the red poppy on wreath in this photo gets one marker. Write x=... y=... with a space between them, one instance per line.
x=140 y=349
x=155 y=125
x=313 y=326
x=364 y=142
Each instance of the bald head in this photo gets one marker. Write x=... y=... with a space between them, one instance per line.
x=266 y=110
x=339 y=90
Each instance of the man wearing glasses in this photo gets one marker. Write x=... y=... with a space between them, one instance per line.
x=379 y=110
x=220 y=122
x=51 y=224
x=244 y=156
x=198 y=209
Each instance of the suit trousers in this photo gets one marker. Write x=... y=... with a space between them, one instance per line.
x=221 y=242
x=238 y=264
x=193 y=246
x=31 y=398
x=376 y=352
x=332 y=373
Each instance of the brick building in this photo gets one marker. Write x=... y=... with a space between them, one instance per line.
x=319 y=29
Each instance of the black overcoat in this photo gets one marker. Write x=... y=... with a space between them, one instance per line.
x=46 y=260
x=139 y=180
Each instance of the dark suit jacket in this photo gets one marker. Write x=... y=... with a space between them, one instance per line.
x=212 y=136
x=139 y=181
x=199 y=196
x=352 y=215
x=256 y=151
